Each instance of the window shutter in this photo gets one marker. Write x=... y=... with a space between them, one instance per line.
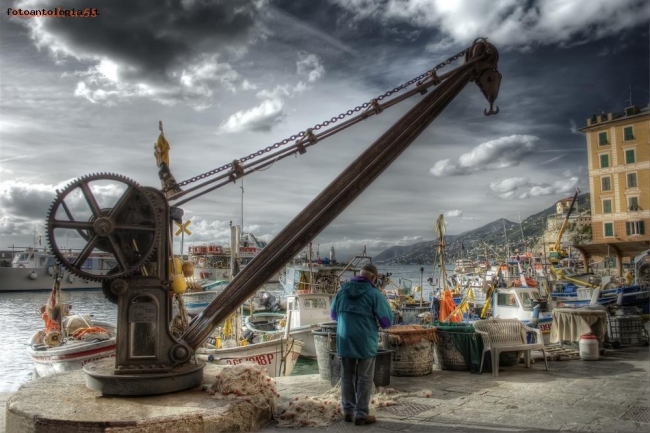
x=641 y=228
x=628 y=228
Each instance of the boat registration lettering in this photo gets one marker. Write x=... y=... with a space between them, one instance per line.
x=259 y=359
x=545 y=327
x=97 y=358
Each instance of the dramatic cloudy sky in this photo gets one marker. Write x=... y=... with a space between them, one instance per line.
x=230 y=77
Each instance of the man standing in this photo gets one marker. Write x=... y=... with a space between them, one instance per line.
x=357 y=307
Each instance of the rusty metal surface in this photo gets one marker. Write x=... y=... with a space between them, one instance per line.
x=344 y=189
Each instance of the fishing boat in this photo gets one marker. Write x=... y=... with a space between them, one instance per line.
x=68 y=341
x=73 y=352
x=306 y=310
x=525 y=304
x=278 y=356
x=465 y=266
x=624 y=296
x=203 y=293
x=33 y=269
x=213 y=261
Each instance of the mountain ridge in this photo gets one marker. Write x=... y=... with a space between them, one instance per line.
x=485 y=241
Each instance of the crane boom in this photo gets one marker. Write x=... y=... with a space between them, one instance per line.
x=480 y=66
x=556 y=252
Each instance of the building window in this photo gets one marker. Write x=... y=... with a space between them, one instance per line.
x=629 y=156
x=607 y=206
x=606 y=184
x=609 y=229
x=628 y=133
x=634 y=228
x=604 y=161
x=631 y=180
x=602 y=138
x=633 y=203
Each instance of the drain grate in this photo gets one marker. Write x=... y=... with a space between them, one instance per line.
x=407 y=409
x=638 y=414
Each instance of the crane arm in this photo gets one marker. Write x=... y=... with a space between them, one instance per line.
x=480 y=66
x=558 y=242
x=268 y=156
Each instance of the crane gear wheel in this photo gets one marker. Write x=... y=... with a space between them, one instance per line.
x=110 y=213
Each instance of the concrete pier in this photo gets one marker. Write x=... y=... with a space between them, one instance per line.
x=63 y=404
x=611 y=394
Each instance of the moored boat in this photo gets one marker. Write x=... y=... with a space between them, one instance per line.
x=278 y=356
x=33 y=270
x=196 y=301
x=68 y=341
x=72 y=353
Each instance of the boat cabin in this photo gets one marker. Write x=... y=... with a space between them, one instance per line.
x=309 y=309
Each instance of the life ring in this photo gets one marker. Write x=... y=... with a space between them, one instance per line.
x=21 y=266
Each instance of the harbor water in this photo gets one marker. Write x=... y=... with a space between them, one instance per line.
x=20 y=318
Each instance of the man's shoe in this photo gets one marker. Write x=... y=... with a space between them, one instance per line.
x=370 y=419
x=348 y=417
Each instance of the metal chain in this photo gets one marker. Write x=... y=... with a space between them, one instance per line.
x=427 y=75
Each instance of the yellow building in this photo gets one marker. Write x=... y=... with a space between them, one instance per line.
x=618 y=149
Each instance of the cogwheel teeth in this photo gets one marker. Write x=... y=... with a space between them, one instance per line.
x=105 y=230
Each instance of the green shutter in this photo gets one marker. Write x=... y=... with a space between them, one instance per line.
x=602 y=138
x=609 y=230
x=604 y=161
x=628 y=133
x=641 y=228
x=629 y=156
x=628 y=228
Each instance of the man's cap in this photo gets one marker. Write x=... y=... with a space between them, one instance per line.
x=370 y=268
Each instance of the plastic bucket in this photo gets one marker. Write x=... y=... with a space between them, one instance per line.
x=588 y=347
x=324 y=342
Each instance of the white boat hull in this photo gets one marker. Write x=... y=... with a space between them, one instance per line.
x=73 y=355
x=38 y=279
x=278 y=356
x=262 y=322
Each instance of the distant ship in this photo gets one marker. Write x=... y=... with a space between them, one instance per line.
x=33 y=269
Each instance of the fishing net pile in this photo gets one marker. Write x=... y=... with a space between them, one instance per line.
x=249 y=382
x=319 y=411
x=408 y=335
x=246 y=381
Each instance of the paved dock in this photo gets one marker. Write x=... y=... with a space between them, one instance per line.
x=611 y=394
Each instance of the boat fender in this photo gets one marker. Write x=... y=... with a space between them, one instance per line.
x=50 y=270
x=178 y=284
x=33 y=275
x=52 y=339
x=70 y=278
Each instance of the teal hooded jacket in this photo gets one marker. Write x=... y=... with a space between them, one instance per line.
x=358 y=308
